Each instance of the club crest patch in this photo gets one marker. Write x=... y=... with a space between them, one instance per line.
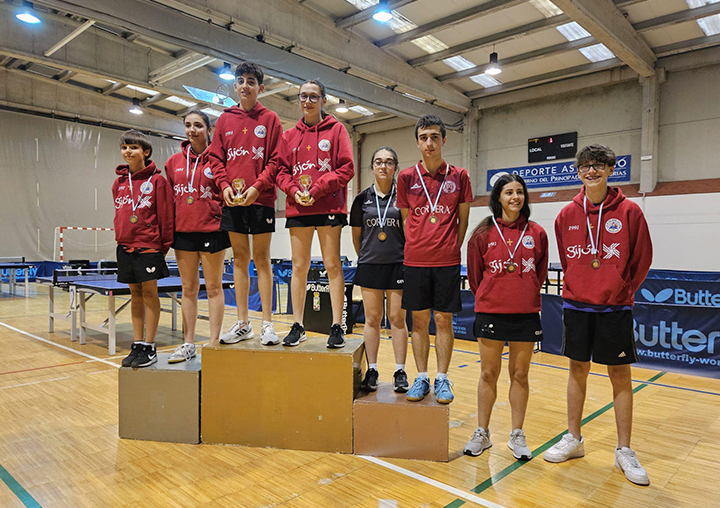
x=146 y=187
x=528 y=242
x=260 y=131
x=449 y=187
x=613 y=226
x=324 y=145
x=208 y=173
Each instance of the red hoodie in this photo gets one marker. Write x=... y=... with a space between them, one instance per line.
x=248 y=145
x=625 y=250
x=496 y=290
x=323 y=152
x=205 y=210
x=153 y=196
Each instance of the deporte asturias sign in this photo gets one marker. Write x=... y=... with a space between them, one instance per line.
x=557 y=174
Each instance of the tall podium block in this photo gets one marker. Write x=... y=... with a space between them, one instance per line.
x=297 y=398
x=388 y=425
x=160 y=402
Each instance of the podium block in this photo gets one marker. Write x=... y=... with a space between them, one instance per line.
x=298 y=398
x=387 y=425
x=160 y=402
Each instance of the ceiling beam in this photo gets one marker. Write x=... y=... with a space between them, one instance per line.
x=435 y=26
x=689 y=45
x=273 y=91
x=677 y=17
x=174 y=27
x=153 y=99
x=496 y=38
x=180 y=66
x=64 y=76
x=609 y=26
x=70 y=37
x=115 y=87
x=366 y=14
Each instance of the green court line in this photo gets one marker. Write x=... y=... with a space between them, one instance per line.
x=18 y=489
x=518 y=464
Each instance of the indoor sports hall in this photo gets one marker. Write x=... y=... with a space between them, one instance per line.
x=546 y=102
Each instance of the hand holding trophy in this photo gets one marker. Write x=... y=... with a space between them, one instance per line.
x=238 y=187
x=305 y=182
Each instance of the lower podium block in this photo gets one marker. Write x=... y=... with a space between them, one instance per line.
x=387 y=425
x=297 y=398
x=161 y=402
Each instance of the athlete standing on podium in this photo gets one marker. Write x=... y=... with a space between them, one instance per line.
x=434 y=198
x=379 y=242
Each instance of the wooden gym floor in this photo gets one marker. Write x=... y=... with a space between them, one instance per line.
x=59 y=445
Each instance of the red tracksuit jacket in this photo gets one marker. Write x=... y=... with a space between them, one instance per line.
x=204 y=212
x=625 y=250
x=324 y=152
x=248 y=145
x=496 y=290
x=154 y=226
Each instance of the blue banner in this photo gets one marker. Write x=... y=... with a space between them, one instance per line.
x=557 y=174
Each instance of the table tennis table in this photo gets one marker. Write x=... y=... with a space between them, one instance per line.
x=12 y=265
x=84 y=284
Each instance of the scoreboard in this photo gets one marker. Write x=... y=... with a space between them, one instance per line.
x=550 y=148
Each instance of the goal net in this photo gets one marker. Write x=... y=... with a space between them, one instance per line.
x=93 y=244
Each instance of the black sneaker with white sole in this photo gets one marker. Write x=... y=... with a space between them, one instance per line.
x=134 y=352
x=400 y=381
x=370 y=383
x=147 y=356
x=336 y=339
x=296 y=335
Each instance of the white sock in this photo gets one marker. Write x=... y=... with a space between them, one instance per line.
x=399 y=366
x=423 y=375
x=372 y=366
x=148 y=344
x=441 y=375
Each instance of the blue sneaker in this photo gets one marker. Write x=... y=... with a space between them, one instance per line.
x=443 y=391
x=419 y=389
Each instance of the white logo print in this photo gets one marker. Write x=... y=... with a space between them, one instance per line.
x=449 y=187
x=611 y=251
x=492 y=244
x=150 y=269
x=178 y=169
x=368 y=202
x=622 y=355
x=305 y=166
x=121 y=187
x=331 y=217
x=236 y=152
x=206 y=192
x=496 y=266
x=269 y=221
x=400 y=281
x=144 y=202
x=208 y=172
x=528 y=264
x=260 y=131
x=574 y=228
x=207 y=244
x=576 y=251
x=258 y=152
x=416 y=186
x=324 y=145
x=146 y=187
x=229 y=133
x=613 y=226
x=324 y=164
x=528 y=242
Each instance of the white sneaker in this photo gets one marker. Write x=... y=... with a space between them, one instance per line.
x=239 y=331
x=567 y=448
x=479 y=442
x=184 y=352
x=268 y=337
x=519 y=446
x=627 y=462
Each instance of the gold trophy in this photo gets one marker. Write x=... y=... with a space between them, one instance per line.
x=238 y=187
x=305 y=182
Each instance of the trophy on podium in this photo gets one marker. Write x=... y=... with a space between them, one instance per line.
x=305 y=182
x=238 y=187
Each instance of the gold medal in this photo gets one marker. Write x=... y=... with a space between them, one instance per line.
x=382 y=236
x=433 y=219
x=133 y=218
x=511 y=267
x=190 y=200
x=595 y=263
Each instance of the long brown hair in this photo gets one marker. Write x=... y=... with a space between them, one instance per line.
x=495 y=205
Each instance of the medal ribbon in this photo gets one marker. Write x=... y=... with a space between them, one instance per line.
x=512 y=253
x=381 y=220
x=190 y=179
x=437 y=199
x=132 y=196
x=594 y=244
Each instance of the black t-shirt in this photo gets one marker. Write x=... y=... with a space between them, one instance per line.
x=364 y=214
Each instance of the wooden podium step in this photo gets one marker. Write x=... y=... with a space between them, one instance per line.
x=386 y=424
x=298 y=398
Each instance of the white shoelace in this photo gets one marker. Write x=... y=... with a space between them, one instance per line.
x=566 y=441
x=631 y=458
x=479 y=436
x=267 y=328
x=518 y=438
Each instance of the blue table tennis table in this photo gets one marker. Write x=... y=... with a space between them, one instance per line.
x=12 y=265
x=82 y=287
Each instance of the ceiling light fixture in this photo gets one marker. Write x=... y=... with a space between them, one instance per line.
x=341 y=107
x=135 y=109
x=27 y=14
x=493 y=69
x=226 y=73
x=382 y=13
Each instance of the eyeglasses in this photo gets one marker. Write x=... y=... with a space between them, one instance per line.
x=312 y=98
x=598 y=166
x=388 y=164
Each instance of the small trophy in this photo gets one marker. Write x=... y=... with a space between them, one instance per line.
x=238 y=187
x=305 y=182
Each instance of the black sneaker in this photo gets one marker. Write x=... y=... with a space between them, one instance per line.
x=336 y=338
x=134 y=352
x=296 y=335
x=370 y=383
x=146 y=357
x=401 y=381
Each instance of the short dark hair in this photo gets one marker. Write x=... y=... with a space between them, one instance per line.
x=394 y=155
x=133 y=137
x=428 y=121
x=250 y=68
x=597 y=153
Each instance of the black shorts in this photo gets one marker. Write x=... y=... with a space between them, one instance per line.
x=508 y=327
x=436 y=287
x=604 y=337
x=316 y=221
x=248 y=220
x=138 y=266
x=387 y=276
x=201 y=242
